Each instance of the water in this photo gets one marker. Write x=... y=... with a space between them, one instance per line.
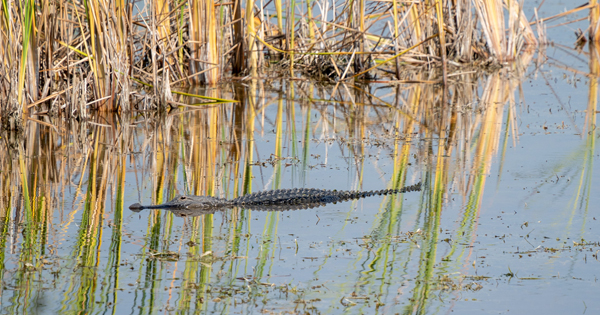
x=507 y=220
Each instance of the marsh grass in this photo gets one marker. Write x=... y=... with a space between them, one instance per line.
x=133 y=55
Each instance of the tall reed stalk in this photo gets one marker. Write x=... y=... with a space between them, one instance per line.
x=251 y=36
x=279 y=11
x=492 y=19
x=204 y=58
x=27 y=64
x=594 y=21
x=291 y=31
x=238 y=58
x=96 y=20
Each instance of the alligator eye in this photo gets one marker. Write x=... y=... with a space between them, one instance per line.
x=182 y=198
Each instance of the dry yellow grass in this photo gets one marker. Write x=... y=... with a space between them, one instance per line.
x=133 y=57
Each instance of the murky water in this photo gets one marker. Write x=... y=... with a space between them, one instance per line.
x=507 y=221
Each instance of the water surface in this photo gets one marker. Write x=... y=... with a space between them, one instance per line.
x=507 y=220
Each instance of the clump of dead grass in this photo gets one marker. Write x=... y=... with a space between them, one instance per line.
x=71 y=57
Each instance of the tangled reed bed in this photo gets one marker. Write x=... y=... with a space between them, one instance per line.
x=70 y=57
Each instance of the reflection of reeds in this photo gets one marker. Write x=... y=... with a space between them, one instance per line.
x=458 y=131
x=589 y=132
x=213 y=148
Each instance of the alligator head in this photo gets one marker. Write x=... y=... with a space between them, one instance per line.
x=186 y=202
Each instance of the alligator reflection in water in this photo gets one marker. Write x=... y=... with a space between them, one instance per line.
x=271 y=200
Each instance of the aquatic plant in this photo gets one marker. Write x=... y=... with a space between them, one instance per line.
x=119 y=55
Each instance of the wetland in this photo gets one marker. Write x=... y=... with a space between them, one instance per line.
x=506 y=219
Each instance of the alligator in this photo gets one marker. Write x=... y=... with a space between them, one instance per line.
x=270 y=200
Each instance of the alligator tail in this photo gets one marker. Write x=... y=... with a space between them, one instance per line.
x=405 y=189
x=347 y=195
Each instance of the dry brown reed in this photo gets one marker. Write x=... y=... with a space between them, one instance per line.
x=120 y=55
x=594 y=21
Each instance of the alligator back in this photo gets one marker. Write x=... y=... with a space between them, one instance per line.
x=307 y=196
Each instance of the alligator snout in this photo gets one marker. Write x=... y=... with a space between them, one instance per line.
x=136 y=207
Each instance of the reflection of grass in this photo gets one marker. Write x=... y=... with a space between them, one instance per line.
x=80 y=295
x=306 y=139
x=29 y=217
x=569 y=164
x=112 y=271
x=428 y=250
x=485 y=141
x=269 y=235
x=485 y=144
x=197 y=143
x=584 y=188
